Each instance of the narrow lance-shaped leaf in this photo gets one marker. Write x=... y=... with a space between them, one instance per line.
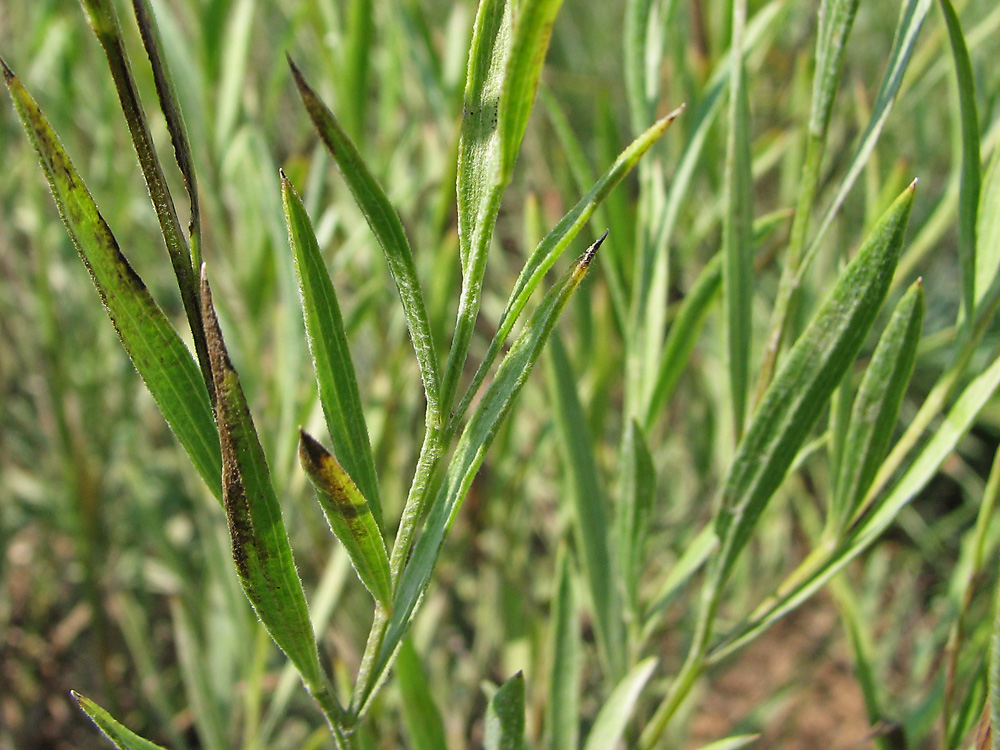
x=554 y=243
x=609 y=726
x=349 y=515
x=562 y=711
x=122 y=737
x=388 y=230
x=988 y=237
x=104 y=21
x=876 y=407
x=968 y=198
x=505 y=716
x=589 y=513
x=475 y=440
x=420 y=713
x=261 y=550
x=504 y=65
x=170 y=106
x=633 y=509
x=338 y=385
x=802 y=387
x=159 y=355
x=737 y=229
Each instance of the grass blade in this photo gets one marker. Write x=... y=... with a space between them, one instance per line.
x=683 y=335
x=423 y=720
x=737 y=229
x=609 y=726
x=388 y=230
x=505 y=716
x=156 y=351
x=589 y=513
x=988 y=233
x=800 y=390
x=633 y=511
x=732 y=743
x=562 y=711
x=338 y=384
x=123 y=738
x=350 y=517
x=969 y=185
x=104 y=22
x=876 y=407
x=466 y=460
x=553 y=245
x=261 y=550
x=911 y=20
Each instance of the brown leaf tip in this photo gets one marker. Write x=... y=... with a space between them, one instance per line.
x=311 y=451
x=591 y=251
x=8 y=74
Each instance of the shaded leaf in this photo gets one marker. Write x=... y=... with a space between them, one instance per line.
x=505 y=716
x=609 y=726
x=123 y=738
x=562 y=711
x=420 y=713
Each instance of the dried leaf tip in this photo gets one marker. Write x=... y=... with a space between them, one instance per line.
x=590 y=252
x=311 y=451
x=8 y=74
x=671 y=116
x=913 y=185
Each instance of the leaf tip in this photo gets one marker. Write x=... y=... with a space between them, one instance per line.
x=8 y=74
x=591 y=251
x=913 y=185
x=311 y=451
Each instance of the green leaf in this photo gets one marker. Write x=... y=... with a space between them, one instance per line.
x=508 y=50
x=467 y=458
x=159 y=355
x=593 y=543
x=261 y=550
x=388 y=230
x=609 y=726
x=732 y=743
x=552 y=246
x=737 y=229
x=338 y=385
x=349 y=515
x=803 y=385
x=104 y=22
x=505 y=716
x=633 y=511
x=876 y=407
x=692 y=558
x=562 y=711
x=420 y=713
x=988 y=234
x=968 y=197
x=832 y=558
x=123 y=738
x=911 y=19
x=683 y=335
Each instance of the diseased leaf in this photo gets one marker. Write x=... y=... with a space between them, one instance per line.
x=261 y=550
x=505 y=716
x=338 y=385
x=123 y=738
x=156 y=350
x=349 y=515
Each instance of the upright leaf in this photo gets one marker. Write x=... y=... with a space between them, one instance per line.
x=609 y=726
x=876 y=407
x=633 y=511
x=562 y=711
x=420 y=713
x=589 y=513
x=261 y=550
x=349 y=515
x=812 y=370
x=388 y=230
x=467 y=458
x=338 y=385
x=505 y=716
x=159 y=355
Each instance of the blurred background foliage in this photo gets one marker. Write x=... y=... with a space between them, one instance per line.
x=115 y=567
